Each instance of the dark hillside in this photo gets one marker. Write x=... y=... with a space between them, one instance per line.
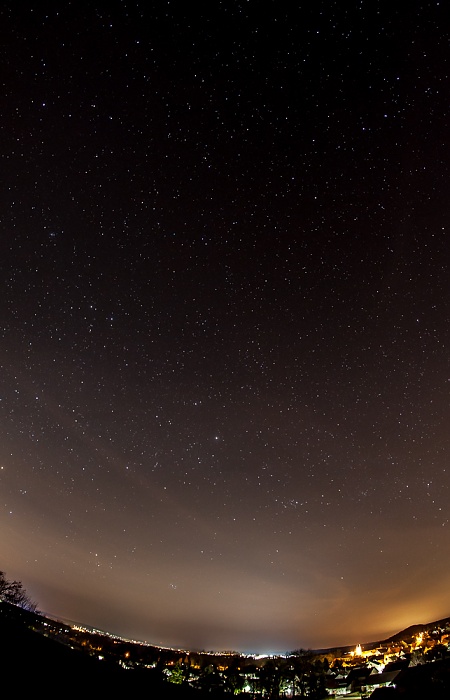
x=29 y=660
x=414 y=630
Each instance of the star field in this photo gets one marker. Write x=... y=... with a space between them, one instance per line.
x=224 y=315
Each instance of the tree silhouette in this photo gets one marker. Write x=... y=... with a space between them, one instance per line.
x=272 y=676
x=14 y=592
x=234 y=680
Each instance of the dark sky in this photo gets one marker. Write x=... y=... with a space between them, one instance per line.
x=224 y=308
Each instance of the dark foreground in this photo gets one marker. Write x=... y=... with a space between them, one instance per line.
x=33 y=665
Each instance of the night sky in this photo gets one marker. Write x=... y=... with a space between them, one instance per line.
x=224 y=315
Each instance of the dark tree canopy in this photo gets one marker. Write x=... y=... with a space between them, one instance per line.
x=14 y=592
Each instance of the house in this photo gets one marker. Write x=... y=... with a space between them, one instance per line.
x=380 y=680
